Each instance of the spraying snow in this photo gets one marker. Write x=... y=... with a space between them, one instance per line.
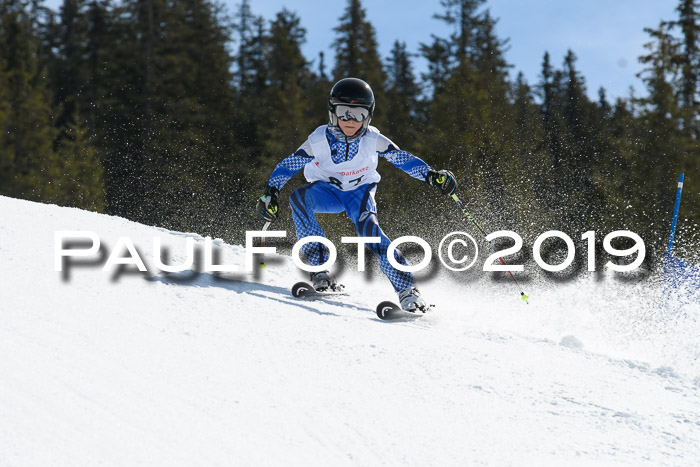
x=124 y=368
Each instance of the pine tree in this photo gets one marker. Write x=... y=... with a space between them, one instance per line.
x=404 y=126
x=193 y=165
x=575 y=113
x=70 y=73
x=250 y=77
x=660 y=154
x=489 y=51
x=528 y=166
x=81 y=183
x=99 y=37
x=6 y=154
x=316 y=91
x=603 y=104
x=356 y=54
x=573 y=138
x=688 y=58
x=463 y=16
x=445 y=54
x=27 y=162
x=322 y=66
x=402 y=96
x=529 y=130
x=552 y=122
x=471 y=118
x=527 y=122
x=439 y=63
x=289 y=77
x=170 y=137
x=127 y=109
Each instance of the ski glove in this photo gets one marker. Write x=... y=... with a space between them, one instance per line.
x=267 y=204
x=443 y=179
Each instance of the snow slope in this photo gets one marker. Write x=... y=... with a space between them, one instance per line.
x=99 y=368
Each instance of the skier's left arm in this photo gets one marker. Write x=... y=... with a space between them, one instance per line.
x=412 y=165
x=416 y=167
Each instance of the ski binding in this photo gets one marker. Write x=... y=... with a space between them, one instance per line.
x=306 y=290
x=390 y=311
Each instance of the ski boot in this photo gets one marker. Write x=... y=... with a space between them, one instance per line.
x=323 y=281
x=411 y=300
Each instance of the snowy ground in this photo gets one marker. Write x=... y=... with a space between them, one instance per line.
x=121 y=369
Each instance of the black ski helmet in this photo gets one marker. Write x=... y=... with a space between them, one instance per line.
x=354 y=92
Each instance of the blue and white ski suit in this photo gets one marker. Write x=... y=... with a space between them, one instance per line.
x=343 y=176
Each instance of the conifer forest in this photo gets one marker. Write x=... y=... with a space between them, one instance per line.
x=173 y=113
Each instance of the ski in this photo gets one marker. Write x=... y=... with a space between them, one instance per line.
x=390 y=311
x=306 y=290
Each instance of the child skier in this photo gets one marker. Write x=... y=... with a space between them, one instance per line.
x=340 y=162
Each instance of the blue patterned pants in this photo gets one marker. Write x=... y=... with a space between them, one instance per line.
x=321 y=197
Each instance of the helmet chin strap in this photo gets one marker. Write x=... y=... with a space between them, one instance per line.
x=340 y=136
x=360 y=131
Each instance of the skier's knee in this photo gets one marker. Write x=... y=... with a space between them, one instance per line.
x=295 y=200
x=364 y=226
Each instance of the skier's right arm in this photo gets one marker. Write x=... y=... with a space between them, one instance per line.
x=268 y=205
x=289 y=166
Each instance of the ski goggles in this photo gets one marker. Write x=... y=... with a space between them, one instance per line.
x=346 y=113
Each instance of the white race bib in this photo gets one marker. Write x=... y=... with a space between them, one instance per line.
x=346 y=176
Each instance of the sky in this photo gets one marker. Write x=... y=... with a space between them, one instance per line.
x=606 y=35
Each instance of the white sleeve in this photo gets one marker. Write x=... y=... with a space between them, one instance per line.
x=306 y=147
x=384 y=143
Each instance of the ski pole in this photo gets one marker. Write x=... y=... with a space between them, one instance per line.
x=262 y=243
x=463 y=208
